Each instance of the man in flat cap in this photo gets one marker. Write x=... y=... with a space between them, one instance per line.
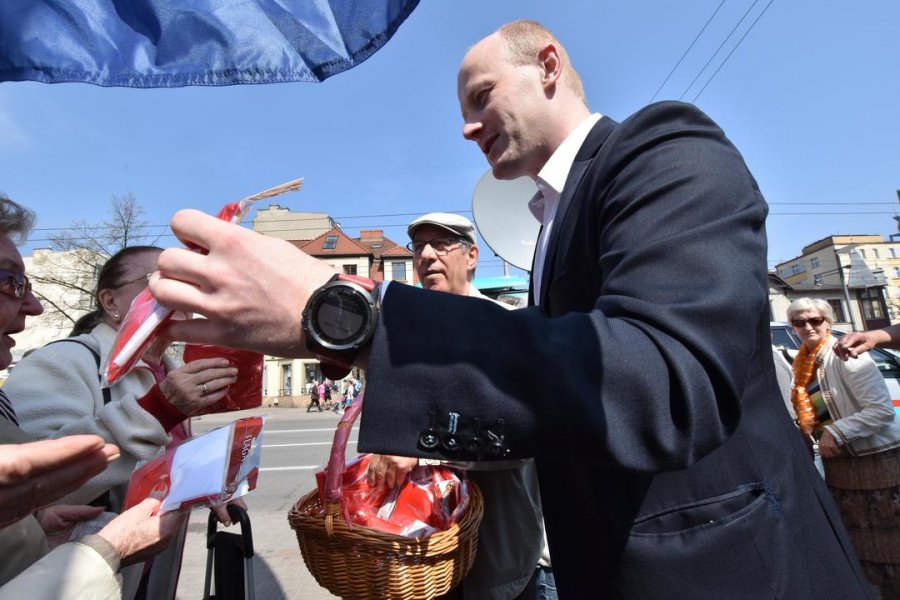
x=511 y=536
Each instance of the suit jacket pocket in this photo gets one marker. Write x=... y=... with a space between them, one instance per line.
x=727 y=546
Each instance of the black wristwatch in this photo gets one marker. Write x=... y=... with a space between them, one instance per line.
x=339 y=321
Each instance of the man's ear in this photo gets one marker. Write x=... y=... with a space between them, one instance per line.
x=550 y=62
x=471 y=258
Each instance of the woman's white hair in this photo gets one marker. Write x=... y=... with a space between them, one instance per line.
x=811 y=304
x=15 y=220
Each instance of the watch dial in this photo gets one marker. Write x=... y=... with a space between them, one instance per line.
x=341 y=316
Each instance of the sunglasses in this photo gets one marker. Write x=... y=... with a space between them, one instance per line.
x=813 y=321
x=14 y=284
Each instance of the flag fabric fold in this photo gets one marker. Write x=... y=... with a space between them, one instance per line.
x=175 y=43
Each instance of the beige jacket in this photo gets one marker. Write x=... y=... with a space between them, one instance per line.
x=82 y=570
x=860 y=404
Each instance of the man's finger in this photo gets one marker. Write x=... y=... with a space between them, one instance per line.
x=197 y=331
x=197 y=228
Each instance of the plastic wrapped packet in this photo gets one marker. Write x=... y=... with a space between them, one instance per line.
x=247 y=391
x=431 y=499
x=210 y=469
x=146 y=317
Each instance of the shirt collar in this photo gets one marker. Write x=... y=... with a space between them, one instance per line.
x=552 y=177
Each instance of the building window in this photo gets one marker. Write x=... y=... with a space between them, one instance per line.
x=814 y=262
x=795 y=269
x=398 y=271
x=872 y=308
x=330 y=242
x=838 y=308
x=818 y=279
x=862 y=253
x=896 y=272
x=349 y=269
x=875 y=253
x=893 y=253
x=286 y=380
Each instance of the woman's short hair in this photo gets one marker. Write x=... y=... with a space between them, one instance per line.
x=810 y=304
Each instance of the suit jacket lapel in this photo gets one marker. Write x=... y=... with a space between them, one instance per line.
x=564 y=223
x=531 y=272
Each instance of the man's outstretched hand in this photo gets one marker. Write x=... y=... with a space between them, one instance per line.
x=251 y=288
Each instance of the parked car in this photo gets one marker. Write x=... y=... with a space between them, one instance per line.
x=512 y=289
x=888 y=361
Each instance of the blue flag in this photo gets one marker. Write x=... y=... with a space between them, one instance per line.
x=175 y=43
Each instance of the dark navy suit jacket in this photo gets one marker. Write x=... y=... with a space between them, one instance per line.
x=643 y=384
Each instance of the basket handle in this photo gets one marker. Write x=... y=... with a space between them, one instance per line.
x=337 y=462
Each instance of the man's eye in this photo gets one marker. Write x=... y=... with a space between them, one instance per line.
x=481 y=98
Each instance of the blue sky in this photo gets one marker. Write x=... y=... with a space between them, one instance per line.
x=809 y=97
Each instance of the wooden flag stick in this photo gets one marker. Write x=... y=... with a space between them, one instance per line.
x=290 y=186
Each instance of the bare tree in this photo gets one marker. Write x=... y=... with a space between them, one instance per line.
x=64 y=279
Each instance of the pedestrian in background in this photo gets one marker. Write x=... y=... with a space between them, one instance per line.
x=314 y=398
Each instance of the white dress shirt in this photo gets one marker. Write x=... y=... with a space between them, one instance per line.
x=550 y=182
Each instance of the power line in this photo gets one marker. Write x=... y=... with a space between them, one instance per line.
x=728 y=37
x=697 y=37
x=752 y=25
x=142 y=228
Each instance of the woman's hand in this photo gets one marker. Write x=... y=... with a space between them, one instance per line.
x=828 y=446
x=58 y=520
x=140 y=532
x=389 y=470
x=198 y=384
x=36 y=474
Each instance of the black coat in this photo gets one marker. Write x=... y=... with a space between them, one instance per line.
x=643 y=384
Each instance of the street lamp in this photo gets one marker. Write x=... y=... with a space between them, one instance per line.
x=840 y=271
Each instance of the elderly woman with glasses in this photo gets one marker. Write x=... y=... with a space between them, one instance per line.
x=847 y=408
x=56 y=391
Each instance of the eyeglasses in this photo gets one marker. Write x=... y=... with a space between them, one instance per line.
x=14 y=284
x=143 y=279
x=813 y=321
x=441 y=246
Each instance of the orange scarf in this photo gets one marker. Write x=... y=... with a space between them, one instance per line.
x=804 y=372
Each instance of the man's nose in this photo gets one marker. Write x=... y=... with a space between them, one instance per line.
x=471 y=129
x=31 y=305
x=428 y=252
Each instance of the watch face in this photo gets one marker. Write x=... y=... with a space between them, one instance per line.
x=340 y=316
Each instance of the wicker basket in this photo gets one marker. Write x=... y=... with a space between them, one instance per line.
x=361 y=563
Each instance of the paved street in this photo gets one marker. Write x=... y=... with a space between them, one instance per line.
x=295 y=446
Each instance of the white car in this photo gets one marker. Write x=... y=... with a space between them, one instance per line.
x=786 y=342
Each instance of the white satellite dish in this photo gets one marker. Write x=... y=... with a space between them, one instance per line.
x=500 y=209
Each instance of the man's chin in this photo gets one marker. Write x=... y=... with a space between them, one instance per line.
x=438 y=284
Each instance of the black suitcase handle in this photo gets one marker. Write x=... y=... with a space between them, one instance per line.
x=238 y=515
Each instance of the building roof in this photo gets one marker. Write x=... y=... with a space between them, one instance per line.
x=332 y=243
